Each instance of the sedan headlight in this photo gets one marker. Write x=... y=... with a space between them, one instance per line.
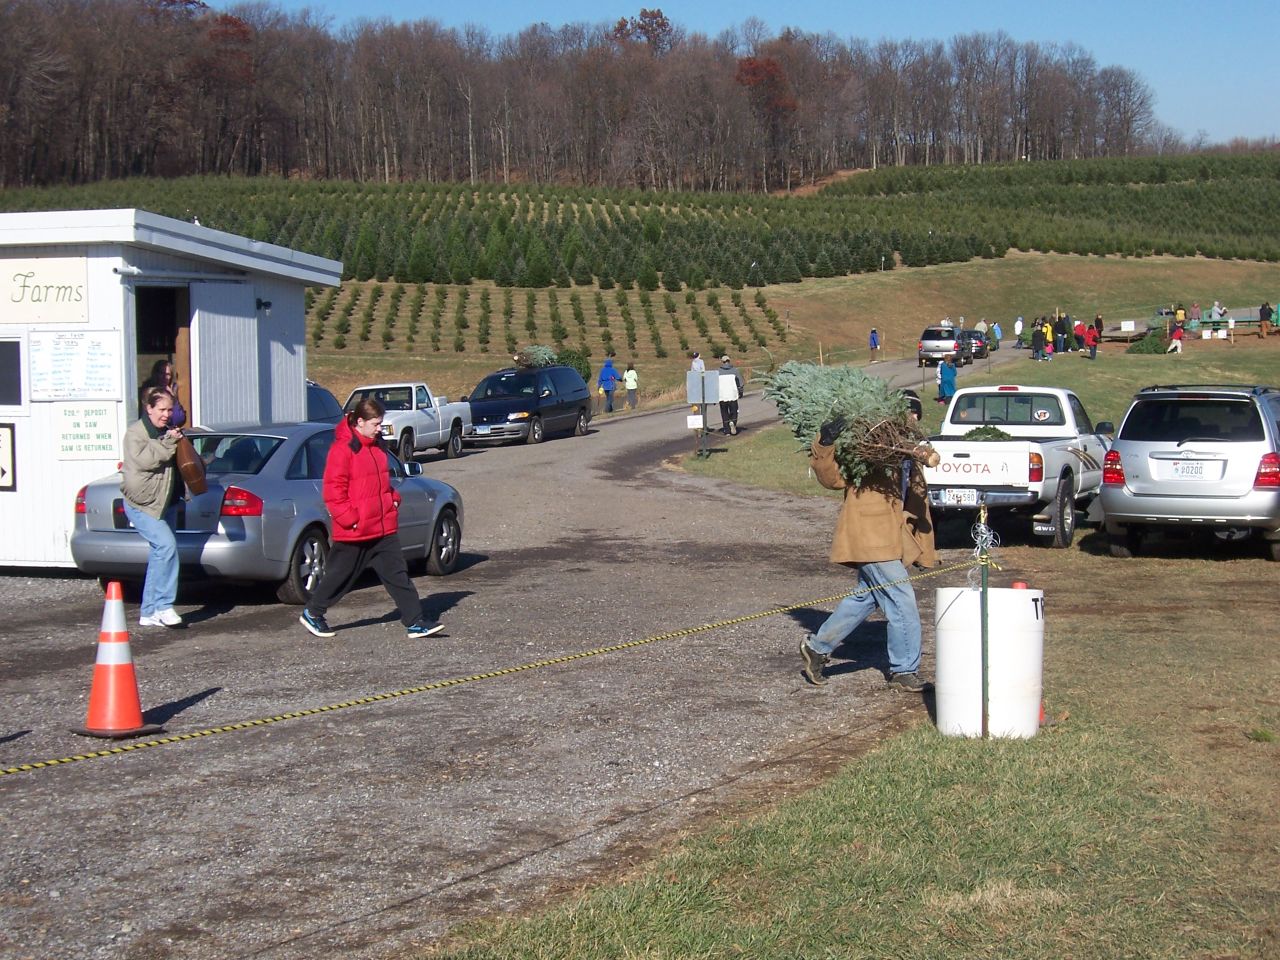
x=388 y=430
x=518 y=415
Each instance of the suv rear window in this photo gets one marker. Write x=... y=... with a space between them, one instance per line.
x=1171 y=419
x=940 y=333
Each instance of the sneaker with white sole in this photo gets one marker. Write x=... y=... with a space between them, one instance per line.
x=909 y=682
x=317 y=625
x=424 y=628
x=170 y=617
x=161 y=618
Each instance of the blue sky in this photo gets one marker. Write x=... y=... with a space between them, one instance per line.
x=1214 y=66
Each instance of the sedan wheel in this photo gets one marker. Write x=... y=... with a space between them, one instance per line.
x=446 y=545
x=306 y=567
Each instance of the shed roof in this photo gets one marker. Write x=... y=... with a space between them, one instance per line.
x=139 y=228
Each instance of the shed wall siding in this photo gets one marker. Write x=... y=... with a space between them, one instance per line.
x=226 y=371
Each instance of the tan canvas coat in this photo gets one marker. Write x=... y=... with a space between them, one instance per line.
x=874 y=524
x=150 y=470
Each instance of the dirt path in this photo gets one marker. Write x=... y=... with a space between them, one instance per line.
x=373 y=828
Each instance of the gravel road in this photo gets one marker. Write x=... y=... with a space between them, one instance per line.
x=370 y=829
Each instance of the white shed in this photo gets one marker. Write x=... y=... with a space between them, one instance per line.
x=89 y=301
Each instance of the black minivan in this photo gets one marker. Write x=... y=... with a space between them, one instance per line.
x=527 y=403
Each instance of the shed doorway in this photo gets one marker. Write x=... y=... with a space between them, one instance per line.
x=163 y=323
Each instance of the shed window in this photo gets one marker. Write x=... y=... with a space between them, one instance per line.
x=10 y=373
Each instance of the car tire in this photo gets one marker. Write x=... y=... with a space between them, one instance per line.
x=453 y=449
x=1064 y=513
x=535 y=431
x=1273 y=550
x=306 y=566
x=405 y=449
x=446 y=545
x=580 y=428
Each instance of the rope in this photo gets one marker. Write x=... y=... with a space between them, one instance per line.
x=458 y=681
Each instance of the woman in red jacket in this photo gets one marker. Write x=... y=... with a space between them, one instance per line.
x=365 y=512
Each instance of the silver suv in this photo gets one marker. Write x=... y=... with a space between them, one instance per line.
x=1195 y=457
x=937 y=343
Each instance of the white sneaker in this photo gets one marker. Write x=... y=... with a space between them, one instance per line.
x=150 y=620
x=170 y=617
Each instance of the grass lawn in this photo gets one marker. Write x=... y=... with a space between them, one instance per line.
x=1142 y=824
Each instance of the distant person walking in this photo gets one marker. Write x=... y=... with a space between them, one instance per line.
x=1037 y=343
x=1175 y=339
x=697 y=364
x=947 y=378
x=1017 y=334
x=608 y=382
x=1265 y=313
x=729 y=408
x=631 y=383
x=873 y=344
x=996 y=335
x=1091 y=341
x=365 y=513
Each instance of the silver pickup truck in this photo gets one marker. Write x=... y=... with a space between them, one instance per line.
x=1052 y=464
x=417 y=420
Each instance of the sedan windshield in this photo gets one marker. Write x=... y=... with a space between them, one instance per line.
x=234 y=452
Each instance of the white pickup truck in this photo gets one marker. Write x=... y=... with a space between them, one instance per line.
x=416 y=419
x=1053 y=462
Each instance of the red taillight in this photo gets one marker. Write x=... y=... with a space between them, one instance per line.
x=920 y=345
x=1268 y=475
x=237 y=502
x=80 y=508
x=1112 y=469
x=1035 y=467
x=955 y=347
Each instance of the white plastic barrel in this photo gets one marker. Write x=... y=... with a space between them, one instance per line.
x=1015 y=656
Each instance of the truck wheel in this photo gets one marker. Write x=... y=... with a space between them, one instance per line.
x=581 y=427
x=453 y=449
x=306 y=567
x=406 y=446
x=445 y=546
x=535 y=431
x=1273 y=549
x=1064 y=513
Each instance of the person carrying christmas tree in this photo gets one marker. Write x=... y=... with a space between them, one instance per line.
x=884 y=527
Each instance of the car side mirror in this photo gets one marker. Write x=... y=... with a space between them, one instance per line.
x=1106 y=426
x=545 y=393
x=412 y=469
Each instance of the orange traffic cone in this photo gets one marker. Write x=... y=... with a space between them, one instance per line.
x=114 y=709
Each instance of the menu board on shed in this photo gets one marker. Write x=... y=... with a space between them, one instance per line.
x=80 y=365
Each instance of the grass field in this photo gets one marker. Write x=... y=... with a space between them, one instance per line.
x=828 y=317
x=1141 y=824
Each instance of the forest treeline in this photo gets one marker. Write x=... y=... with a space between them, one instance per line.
x=102 y=89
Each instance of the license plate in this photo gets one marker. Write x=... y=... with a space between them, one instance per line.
x=961 y=498
x=482 y=430
x=1188 y=469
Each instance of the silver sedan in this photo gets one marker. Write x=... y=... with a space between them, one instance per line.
x=263 y=517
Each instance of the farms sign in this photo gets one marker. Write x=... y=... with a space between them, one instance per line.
x=43 y=290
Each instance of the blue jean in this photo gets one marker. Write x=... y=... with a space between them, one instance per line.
x=899 y=605
x=161 y=587
x=608 y=400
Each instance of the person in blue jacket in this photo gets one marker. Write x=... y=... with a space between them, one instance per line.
x=947 y=378
x=608 y=382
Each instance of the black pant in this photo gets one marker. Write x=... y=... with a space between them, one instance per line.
x=348 y=560
x=728 y=413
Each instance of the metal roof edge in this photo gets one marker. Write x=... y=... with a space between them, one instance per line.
x=142 y=228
